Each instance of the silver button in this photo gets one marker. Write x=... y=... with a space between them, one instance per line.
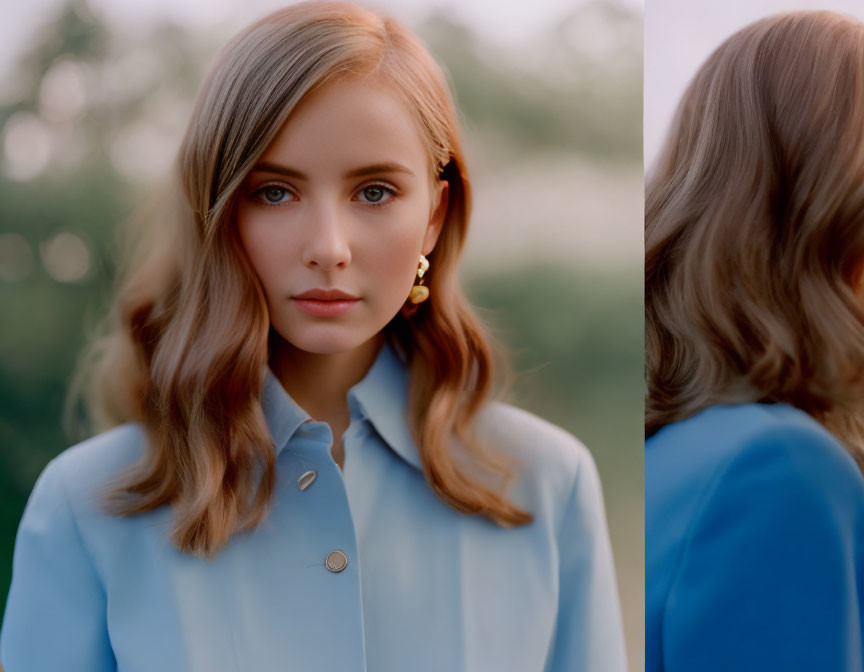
x=336 y=561
x=306 y=480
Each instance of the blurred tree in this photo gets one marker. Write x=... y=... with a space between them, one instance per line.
x=578 y=90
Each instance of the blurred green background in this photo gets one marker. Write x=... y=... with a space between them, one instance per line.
x=90 y=116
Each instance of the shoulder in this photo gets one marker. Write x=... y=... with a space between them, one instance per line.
x=732 y=424
x=80 y=471
x=764 y=439
x=531 y=439
x=747 y=481
x=781 y=471
x=552 y=464
x=792 y=459
x=780 y=517
x=65 y=501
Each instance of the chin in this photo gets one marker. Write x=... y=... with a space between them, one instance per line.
x=326 y=340
x=325 y=348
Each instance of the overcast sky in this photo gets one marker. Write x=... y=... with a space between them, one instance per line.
x=679 y=36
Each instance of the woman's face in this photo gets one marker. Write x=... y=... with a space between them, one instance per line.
x=341 y=204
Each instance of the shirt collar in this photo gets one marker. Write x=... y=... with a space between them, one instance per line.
x=284 y=415
x=381 y=397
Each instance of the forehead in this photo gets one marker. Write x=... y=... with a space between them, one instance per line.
x=348 y=122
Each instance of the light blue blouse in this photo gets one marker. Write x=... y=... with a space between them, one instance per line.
x=425 y=588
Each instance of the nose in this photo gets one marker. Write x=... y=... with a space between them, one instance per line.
x=327 y=246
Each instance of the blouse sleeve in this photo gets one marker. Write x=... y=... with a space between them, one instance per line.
x=55 y=613
x=769 y=576
x=589 y=635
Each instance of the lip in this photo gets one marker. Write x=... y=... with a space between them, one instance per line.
x=325 y=302
x=326 y=295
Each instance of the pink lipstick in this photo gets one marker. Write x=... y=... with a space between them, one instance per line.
x=325 y=302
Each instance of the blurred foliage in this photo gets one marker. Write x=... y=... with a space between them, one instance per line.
x=574 y=337
x=574 y=340
x=556 y=95
x=564 y=97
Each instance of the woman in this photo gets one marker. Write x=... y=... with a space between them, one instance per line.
x=306 y=470
x=755 y=352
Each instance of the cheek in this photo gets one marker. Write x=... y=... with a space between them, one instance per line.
x=393 y=260
x=263 y=249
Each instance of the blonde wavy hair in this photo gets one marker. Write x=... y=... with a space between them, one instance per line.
x=187 y=337
x=754 y=230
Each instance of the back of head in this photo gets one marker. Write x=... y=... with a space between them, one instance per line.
x=755 y=229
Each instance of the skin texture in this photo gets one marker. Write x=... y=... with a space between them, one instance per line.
x=324 y=231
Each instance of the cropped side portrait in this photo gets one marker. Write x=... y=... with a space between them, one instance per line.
x=300 y=459
x=754 y=327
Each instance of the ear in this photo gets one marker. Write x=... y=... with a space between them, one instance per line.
x=440 y=201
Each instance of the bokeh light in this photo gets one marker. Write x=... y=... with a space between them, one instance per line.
x=66 y=257
x=62 y=93
x=27 y=146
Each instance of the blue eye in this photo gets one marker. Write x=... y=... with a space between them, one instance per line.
x=375 y=194
x=274 y=192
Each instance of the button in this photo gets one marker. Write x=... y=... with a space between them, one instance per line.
x=306 y=480
x=336 y=561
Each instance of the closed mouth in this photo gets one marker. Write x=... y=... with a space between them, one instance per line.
x=325 y=295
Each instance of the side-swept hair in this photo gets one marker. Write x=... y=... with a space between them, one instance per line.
x=187 y=344
x=754 y=229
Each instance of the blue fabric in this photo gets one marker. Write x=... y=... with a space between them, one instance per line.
x=426 y=588
x=754 y=524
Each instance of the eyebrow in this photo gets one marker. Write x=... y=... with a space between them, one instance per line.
x=375 y=168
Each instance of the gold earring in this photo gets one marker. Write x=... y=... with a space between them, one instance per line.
x=419 y=292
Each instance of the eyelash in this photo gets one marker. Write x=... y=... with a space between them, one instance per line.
x=379 y=204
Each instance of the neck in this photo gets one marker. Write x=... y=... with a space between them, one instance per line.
x=319 y=383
